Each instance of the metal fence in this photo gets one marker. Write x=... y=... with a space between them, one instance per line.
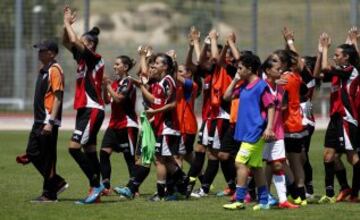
x=125 y=24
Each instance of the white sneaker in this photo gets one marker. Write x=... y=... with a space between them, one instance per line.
x=199 y=193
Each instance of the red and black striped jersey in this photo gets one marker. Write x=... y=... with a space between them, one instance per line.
x=123 y=113
x=90 y=71
x=165 y=123
x=341 y=103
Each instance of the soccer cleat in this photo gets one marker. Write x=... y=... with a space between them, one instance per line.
x=94 y=194
x=354 y=199
x=343 y=195
x=22 y=159
x=156 y=198
x=234 y=206
x=124 y=191
x=311 y=198
x=61 y=187
x=272 y=201
x=199 y=193
x=171 y=197
x=43 y=199
x=190 y=187
x=299 y=201
x=226 y=192
x=261 y=206
x=288 y=205
x=327 y=200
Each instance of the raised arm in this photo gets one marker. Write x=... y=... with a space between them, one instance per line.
x=317 y=68
x=143 y=52
x=231 y=39
x=352 y=38
x=213 y=35
x=72 y=38
x=324 y=43
x=65 y=40
x=194 y=36
x=289 y=39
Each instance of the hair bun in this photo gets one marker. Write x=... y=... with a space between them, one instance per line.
x=94 y=31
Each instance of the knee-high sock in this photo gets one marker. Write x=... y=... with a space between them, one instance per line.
x=84 y=163
x=210 y=174
x=329 y=178
x=229 y=171
x=280 y=185
x=130 y=162
x=105 y=168
x=197 y=164
x=95 y=163
x=342 y=179
x=141 y=173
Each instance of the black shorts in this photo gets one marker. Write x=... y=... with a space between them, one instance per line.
x=341 y=135
x=186 y=144
x=218 y=128
x=294 y=142
x=228 y=143
x=294 y=145
x=120 y=140
x=87 y=125
x=42 y=146
x=167 y=145
x=212 y=132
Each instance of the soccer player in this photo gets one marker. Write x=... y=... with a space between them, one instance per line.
x=142 y=167
x=218 y=120
x=274 y=152
x=42 y=143
x=121 y=135
x=307 y=66
x=88 y=102
x=253 y=127
x=342 y=133
x=294 y=130
x=186 y=93
x=203 y=69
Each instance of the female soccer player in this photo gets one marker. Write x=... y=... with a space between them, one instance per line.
x=121 y=135
x=294 y=130
x=186 y=93
x=88 y=102
x=274 y=152
x=342 y=134
x=253 y=127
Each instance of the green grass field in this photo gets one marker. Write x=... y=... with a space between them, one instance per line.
x=19 y=184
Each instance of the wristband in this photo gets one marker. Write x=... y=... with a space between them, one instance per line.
x=290 y=41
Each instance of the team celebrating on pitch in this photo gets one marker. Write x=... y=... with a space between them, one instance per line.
x=257 y=120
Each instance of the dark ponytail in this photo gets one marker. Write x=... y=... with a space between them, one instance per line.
x=92 y=36
x=166 y=59
x=127 y=61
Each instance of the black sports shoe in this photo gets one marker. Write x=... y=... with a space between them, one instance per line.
x=43 y=199
x=61 y=187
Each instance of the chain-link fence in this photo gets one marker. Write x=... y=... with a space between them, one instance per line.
x=125 y=24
